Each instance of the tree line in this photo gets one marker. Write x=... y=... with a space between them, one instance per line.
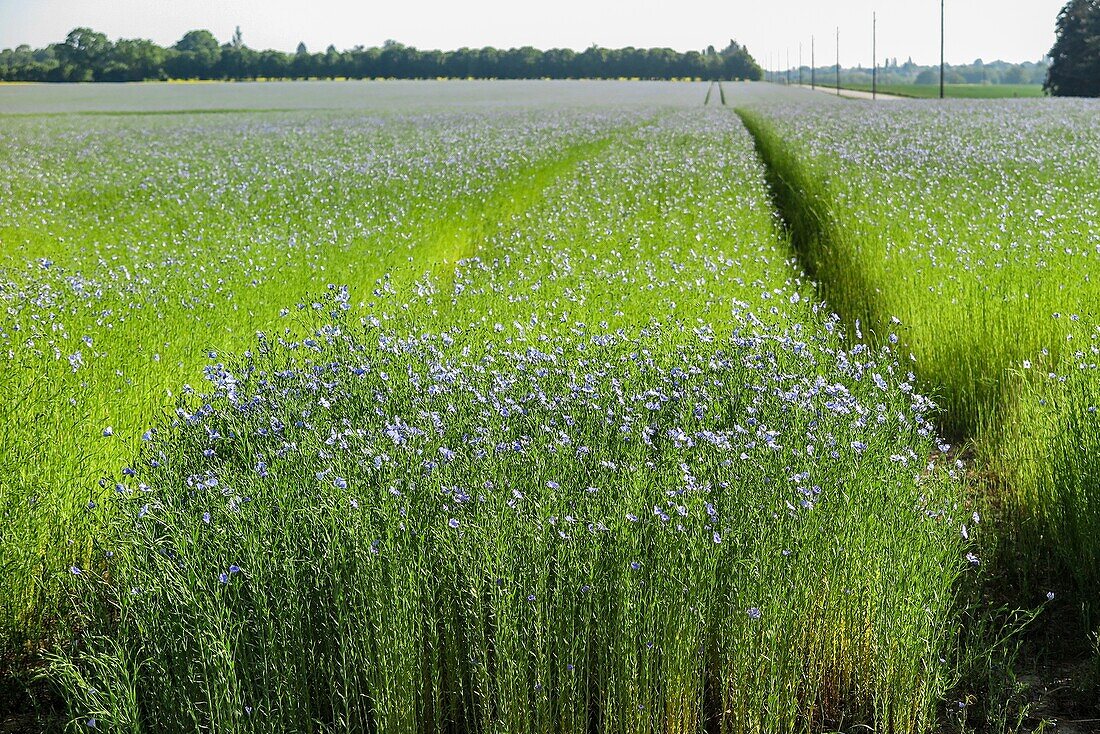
x=893 y=72
x=89 y=56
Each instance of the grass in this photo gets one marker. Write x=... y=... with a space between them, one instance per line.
x=542 y=595
x=1004 y=247
x=973 y=234
x=114 y=302
x=574 y=388
x=538 y=418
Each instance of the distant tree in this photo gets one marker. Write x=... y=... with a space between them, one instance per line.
x=557 y=63
x=928 y=76
x=592 y=63
x=364 y=62
x=520 y=63
x=975 y=73
x=431 y=64
x=201 y=43
x=486 y=63
x=273 y=65
x=87 y=55
x=197 y=56
x=692 y=65
x=394 y=60
x=26 y=64
x=237 y=62
x=1075 y=59
x=333 y=63
x=135 y=60
x=301 y=66
x=1014 y=75
x=737 y=63
x=83 y=54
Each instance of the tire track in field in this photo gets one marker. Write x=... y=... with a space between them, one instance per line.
x=807 y=217
x=817 y=239
x=721 y=94
x=478 y=224
x=455 y=236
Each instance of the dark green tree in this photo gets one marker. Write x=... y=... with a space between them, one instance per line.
x=273 y=65
x=83 y=54
x=301 y=66
x=86 y=55
x=738 y=63
x=134 y=60
x=197 y=55
x=1075 y=59
x=333 y=63
x=237 y=62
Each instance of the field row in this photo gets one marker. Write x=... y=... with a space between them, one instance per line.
x=579 y=445
x=971 y=230
x=136 y=250
x=540 y=418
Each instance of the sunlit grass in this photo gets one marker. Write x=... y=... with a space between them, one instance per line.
x=133 y=252
x=575 y=450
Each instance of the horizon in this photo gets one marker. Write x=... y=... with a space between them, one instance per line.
x=1011 y=32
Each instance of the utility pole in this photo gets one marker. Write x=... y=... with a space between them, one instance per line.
x=800 y=63
x=838 y=61
x=941 y=48
x=874 y=55
x=813 y=66
x=788 y=67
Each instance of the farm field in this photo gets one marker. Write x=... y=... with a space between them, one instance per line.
x=378 y=96
x=522 y=406
x=976 y=225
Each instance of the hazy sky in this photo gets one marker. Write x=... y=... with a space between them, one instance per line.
x=1013 y=30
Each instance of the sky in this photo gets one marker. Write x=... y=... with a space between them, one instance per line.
x=1012 y=30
